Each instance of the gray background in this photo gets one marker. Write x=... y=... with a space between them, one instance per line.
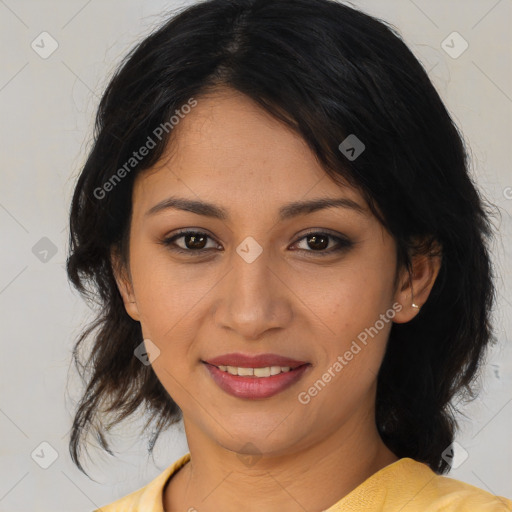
x=47 y=112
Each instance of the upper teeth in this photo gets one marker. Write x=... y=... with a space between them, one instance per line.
x=257 y=372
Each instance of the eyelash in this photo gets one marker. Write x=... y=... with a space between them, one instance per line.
x=343 y=243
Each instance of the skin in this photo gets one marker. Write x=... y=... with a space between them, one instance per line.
x=299 y=304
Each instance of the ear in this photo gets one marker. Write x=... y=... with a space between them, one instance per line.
x=124 y=285
x=414 y=288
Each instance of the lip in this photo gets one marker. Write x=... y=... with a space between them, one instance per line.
x=255 y=387
x=254 y=361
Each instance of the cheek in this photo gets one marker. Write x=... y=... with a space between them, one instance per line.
x=167 y=293
x=173 y=306
x=354 y=297
x=158 y=306
x=352 y=305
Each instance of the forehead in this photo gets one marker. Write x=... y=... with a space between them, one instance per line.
x=230 y=150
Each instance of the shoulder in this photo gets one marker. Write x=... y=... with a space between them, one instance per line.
x=148 y=498
x=411 y=486
x=454 y=495
x=429 y=491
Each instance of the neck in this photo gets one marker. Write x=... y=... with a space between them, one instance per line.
x=313 y=478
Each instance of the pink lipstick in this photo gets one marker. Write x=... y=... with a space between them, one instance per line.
x=255 y=376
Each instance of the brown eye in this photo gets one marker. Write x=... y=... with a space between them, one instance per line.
x=192 y=242
x=318 y=242
x=195 y=241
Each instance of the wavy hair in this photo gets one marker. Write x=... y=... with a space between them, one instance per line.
x=327 y=70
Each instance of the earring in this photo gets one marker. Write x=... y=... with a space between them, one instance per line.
x=413 y=304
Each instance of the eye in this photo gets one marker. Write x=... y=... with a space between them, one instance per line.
x=193 y=242
x=318 y=241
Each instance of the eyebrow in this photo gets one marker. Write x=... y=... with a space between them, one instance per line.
x=286 y=212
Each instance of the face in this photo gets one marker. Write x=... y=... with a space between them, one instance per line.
x=302 y=284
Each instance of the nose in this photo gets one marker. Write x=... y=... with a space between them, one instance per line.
x=253 y=298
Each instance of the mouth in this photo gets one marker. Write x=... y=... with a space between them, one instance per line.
x=249 y=361
x=255 y=377
x=256 y=372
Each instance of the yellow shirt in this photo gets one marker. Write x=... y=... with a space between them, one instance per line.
x=403 y=486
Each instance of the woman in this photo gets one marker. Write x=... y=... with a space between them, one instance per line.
x=290 y=255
